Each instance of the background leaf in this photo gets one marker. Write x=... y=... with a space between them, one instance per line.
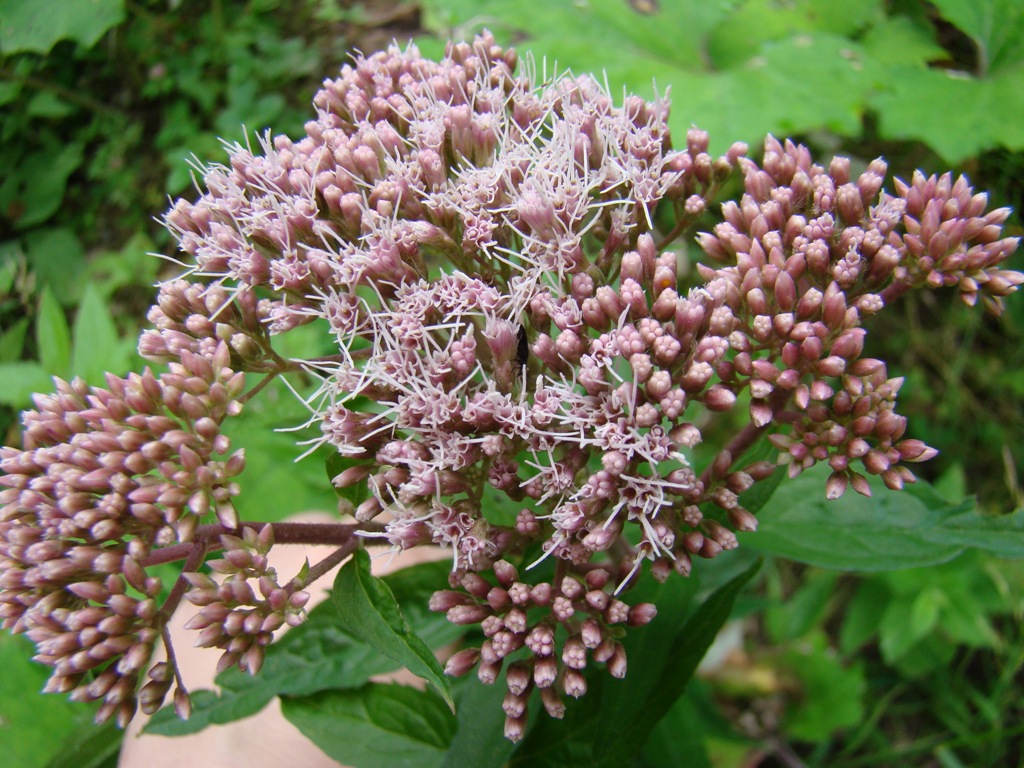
x=19 y=381
x=53 y=336
x=33 y=727
x=97 y=347
x=39 y=24
x=892 y=529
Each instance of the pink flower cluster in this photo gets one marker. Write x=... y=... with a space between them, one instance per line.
x=492 y=258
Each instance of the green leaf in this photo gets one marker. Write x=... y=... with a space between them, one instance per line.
x=274 y=484
x=57 y=258
x=53 y=336
x=376 y=726
x=479 y=738
x=679 y=737
x=368 y=610
x=796 y=616
x=793 y=84
x=1001 y=535
x=989 y=112
x=91 y=746
x=995 y=26
x=356 y=493
x=12 y=340
x=97 y=347
x=35 y=188
x=892 y=529
x=864 y=613
x=665 y=656
x=33 y=727
x=47 y=104
x=315 y=656
x=20 y=380
x=832 y=695
x=38 y=25
x=898 y=41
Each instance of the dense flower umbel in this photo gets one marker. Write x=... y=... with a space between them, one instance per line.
x=106 y=476
x=510 y=327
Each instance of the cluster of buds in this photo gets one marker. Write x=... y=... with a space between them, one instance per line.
x=584 y=607
x=106 y=476
x=493 y=259
x=232 y=617
x=814 y=252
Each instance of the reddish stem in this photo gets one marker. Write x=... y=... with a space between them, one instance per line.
x=208 y=536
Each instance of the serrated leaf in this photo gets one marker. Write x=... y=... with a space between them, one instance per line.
x=989 y=112
x=794 y=84
x=891 y=530
x=368 y=610
x=995 y=26
x=376 y=726
x=317 y=655
x=38 y=25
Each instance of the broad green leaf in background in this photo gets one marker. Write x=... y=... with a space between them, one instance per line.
x=53 y=336
x=12 y=340
x=20 y=380
x=34 y=727
x=978 y=113
x=367 y=609
x=90 y=746
x=743 y=69
x=989 y=101
x=833 y=694
x=995 y=26
x=910 y=609
x=37 y=25
x=376 y=726
x=97 y=348
x=679 y=737
x=275 y=485
x=32 y=191
x=790 y=619
x=892 y=529
x=317 y=655
x=58 y=259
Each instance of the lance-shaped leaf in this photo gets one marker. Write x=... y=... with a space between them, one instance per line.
x=376 y=726
x=367 y=609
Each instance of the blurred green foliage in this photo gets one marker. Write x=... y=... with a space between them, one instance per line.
x=103 y=104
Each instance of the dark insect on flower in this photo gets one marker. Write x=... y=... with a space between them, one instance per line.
x=523 y=347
